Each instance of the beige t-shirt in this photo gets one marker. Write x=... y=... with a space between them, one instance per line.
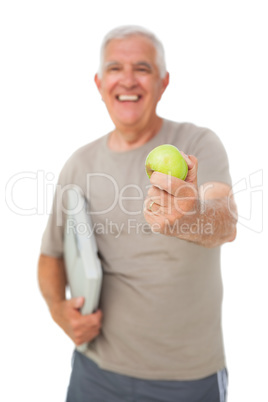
x=161 y=296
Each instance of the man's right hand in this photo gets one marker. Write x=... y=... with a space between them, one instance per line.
x=80 y=328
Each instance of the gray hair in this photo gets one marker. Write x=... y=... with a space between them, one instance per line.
x=131 y=30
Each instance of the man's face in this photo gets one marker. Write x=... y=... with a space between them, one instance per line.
x=131 y=85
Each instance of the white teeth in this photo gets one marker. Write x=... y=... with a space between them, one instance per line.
x=132 y=98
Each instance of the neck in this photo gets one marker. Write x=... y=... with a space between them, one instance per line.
x=125 y=139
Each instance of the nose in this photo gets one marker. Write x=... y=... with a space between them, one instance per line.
x=128 y=78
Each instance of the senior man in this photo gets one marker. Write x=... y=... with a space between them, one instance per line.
x=157 y=335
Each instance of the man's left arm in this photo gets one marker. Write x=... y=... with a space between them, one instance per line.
x=206 y=215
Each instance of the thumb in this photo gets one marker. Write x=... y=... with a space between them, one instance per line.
x=77 y=302
x=192 y=172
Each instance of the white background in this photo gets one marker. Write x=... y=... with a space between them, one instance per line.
x=216 y=54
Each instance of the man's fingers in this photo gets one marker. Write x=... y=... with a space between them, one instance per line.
x=171 y=197
x=160 y=197
x=172 y=185
x=165 y=182
x=190 y=163
x=87 y=327
x=192 y=172
x=77 y=302
x=96 y=318
x=80 y=328
x=151 y=205
x=98 y=314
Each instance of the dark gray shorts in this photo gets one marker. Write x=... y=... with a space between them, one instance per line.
x=89 y=383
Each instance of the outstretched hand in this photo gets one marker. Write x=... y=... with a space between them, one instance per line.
x=171 y=199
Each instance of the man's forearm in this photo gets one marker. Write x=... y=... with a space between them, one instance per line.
x=52 y=279
x=212 y=224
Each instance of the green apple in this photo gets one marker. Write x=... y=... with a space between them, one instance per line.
x=166 y=159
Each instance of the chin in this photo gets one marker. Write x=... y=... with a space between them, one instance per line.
x=128 y=122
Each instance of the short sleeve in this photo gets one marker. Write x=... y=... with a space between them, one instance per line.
x=213 y=164
x=53 y=237
x=52 y=240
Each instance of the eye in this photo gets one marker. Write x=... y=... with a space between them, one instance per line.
x=143 y=69
x=113 y=68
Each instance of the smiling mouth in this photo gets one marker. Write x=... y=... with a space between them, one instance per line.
x=128 y=98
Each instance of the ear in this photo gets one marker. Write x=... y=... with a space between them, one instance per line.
x=98 y=82
x=165 y=82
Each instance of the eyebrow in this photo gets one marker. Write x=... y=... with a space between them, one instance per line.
x=139 y=63
x=110 y=63
x=144 y=63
